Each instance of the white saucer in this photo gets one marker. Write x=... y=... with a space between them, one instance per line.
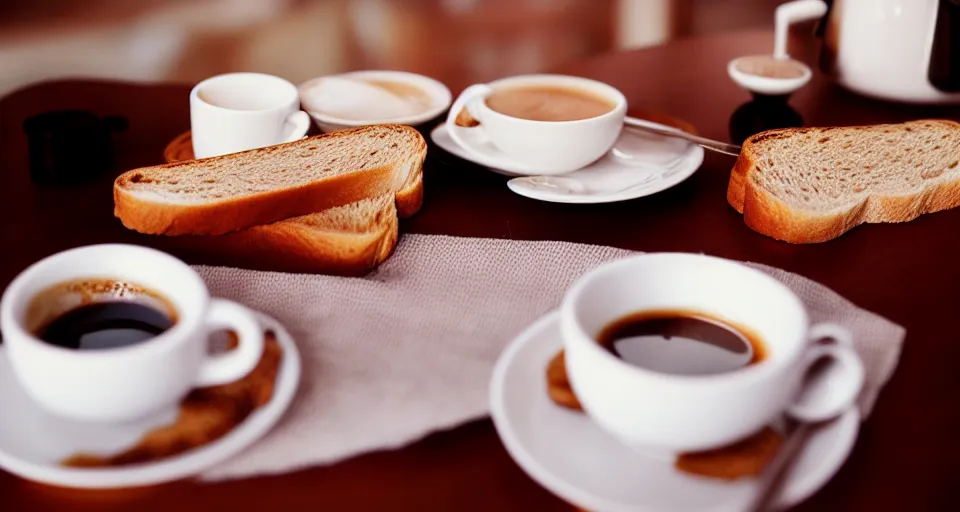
x=646 y=164
x=33 y=442
x=570 y=456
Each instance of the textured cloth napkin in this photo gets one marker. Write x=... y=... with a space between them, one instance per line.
x=409 y=349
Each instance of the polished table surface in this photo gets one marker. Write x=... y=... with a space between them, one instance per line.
x=906 y=458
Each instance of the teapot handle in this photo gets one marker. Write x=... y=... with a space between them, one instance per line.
x=822 y=26
x=790 y=13
x=943 y=72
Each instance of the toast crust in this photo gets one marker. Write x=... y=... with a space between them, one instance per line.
x=294 y=246
x=409 y=198
x=217 y=218
x=770 y=216
x=265 y=208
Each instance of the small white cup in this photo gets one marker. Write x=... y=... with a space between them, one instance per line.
x=136 y=381
x=660 y=413
x=546 y=147
x=241 y=111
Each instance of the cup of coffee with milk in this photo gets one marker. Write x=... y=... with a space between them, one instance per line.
x=552 y=124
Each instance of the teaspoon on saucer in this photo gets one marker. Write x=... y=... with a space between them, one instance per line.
x=669 y=131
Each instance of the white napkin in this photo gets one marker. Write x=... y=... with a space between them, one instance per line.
x=409 y=349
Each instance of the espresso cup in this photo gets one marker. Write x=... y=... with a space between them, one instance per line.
x=543 y=147
x=241 y=111
x=131 y=382
x=663 y=413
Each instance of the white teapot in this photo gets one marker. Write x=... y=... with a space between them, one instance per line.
x=900 y=50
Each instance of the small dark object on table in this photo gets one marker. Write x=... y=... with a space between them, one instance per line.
x=70 y=147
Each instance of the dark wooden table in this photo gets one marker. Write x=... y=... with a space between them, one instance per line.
x=906 y=458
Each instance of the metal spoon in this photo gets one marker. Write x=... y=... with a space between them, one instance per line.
x=773 y=477
x=647 y=126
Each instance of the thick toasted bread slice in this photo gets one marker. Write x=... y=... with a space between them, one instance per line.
x=345 y=240
x=814 y=184
x=219 y=195
x=349 y=240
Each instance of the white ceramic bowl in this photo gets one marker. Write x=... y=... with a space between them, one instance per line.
x=439 y=94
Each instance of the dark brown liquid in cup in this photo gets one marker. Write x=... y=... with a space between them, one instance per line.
x=104 y=325
x=109 y=314
x=700 y=331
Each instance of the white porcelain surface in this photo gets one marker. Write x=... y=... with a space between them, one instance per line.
x=767 y=85
x=33 y=442
x=540 y=147
x=241 y=111
x=883 y=48
x=658 y=412
x=569 y=455
x=439 y=94
x=137 y=381
x=646 y=164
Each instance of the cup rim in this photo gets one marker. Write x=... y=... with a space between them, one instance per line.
x=291 y=91
x=745 y=375
x=619 y=109
x=440 y=98
x=177 y=333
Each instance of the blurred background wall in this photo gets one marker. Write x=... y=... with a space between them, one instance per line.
x=457 y=41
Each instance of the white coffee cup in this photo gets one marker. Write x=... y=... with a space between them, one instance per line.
x=135 y=381
x=661 y=413
x=544 y=147
x=241 y=111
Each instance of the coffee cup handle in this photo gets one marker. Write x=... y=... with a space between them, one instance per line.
x=828 y=395
x=296 y=126
x=463 y=108
x=237 y=363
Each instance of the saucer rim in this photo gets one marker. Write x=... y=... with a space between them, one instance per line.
x=442 y=126
x=627 y=194
x=696 y=160
x=191 y=463
x=790 y=496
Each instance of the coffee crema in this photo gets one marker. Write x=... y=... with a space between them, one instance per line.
x=98 y=314
x=682 y=342
x=548 y=103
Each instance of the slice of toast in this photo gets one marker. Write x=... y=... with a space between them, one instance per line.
x=349 y=240
x=345 y=240
x=219 y=195
x=811 y=185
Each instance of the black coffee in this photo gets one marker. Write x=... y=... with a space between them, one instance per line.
x=681 y=342
x=102 y=325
